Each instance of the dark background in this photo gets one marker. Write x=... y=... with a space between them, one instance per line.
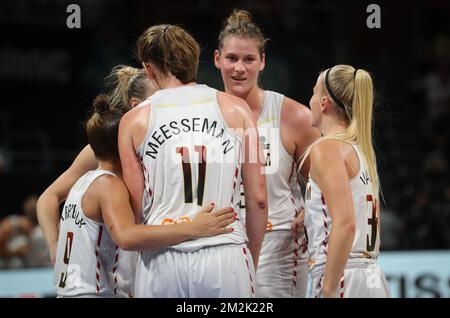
x=49 y=75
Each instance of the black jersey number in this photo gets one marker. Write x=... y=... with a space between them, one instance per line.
x=373 y=222
x=187 y=173
x=67 y=252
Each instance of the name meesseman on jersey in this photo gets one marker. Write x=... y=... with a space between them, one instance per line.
x=185 y=125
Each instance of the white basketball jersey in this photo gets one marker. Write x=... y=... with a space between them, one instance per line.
x=318 y=221
x=190 y=158
x=283 y=190
x=88 y=262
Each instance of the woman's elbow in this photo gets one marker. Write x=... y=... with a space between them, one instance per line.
x=261 y=203
x=41 y=204
x=349 y=228
x=125 y=244
x=46 y=199
x=124 y=241
x=258 y=204
x=260 y=197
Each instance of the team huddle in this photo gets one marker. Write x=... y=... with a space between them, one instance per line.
x=187 y=191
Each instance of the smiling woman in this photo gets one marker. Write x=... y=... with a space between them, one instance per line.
x=241 y=53
x=283 y=125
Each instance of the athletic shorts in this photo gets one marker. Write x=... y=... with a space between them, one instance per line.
x=362 y=278
x=223 y=271
x=283 y=266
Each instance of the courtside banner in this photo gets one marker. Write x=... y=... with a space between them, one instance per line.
x=417 y=274
x=410 y=275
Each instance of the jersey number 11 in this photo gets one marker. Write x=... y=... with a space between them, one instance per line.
x=187 y=173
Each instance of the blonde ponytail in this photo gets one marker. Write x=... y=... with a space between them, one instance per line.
x=362 y=117
x=354 y=90
x=125 y=83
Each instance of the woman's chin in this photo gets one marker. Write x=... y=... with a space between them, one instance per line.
x=238 y=90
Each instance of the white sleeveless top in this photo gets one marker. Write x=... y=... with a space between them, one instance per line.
x=283 y=190
x=88 y=262
x=366 y=243
x=190 y=158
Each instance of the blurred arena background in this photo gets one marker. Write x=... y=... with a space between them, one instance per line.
x=49 y=75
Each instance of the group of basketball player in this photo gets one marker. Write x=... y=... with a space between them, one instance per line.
x=154 y=205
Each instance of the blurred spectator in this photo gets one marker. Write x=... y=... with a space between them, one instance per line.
x=39 y=254
x=21 y=240
x=15 y=233
x=437 y=90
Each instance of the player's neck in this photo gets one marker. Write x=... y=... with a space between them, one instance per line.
x=329 y=128
x=110 y=165
x=172 y=82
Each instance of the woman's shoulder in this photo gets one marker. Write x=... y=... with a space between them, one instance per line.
x=295 y=113
x=326 y=149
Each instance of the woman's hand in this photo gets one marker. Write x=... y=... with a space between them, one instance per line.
x=207 y=223
x=298 y=225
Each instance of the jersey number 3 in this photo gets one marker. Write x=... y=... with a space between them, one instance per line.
x=187 y=173
x=373 y=222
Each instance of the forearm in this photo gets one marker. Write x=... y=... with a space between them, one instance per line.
x=48 y=203
x=48 y=216
x=136 y=196
x=143 y=237
x=339 y=248
x=256 y=224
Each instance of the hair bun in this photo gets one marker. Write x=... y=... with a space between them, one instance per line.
x=125 y=73
x=240 y=16
x=101 y=104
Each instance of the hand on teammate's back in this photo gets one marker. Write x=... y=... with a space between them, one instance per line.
x=208 y=223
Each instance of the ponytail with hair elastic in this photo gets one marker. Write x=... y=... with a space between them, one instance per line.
x=354 y=88
x=126 y=82
x=171 y=50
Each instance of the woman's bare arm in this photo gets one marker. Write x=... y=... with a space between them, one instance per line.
x=49 y=201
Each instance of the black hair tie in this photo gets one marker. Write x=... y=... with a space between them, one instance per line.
x=335 y=99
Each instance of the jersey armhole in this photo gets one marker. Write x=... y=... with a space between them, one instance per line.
x=99 y=174
x=360 y=163
x=279 y=130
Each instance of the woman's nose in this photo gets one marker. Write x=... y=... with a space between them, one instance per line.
x=239 y=67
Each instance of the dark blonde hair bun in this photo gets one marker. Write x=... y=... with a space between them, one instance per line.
x=101 y=104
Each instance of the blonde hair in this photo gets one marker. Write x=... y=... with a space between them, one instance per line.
x=171 y=49
x=240 y=23
x=353 y=89
x=126 y=82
